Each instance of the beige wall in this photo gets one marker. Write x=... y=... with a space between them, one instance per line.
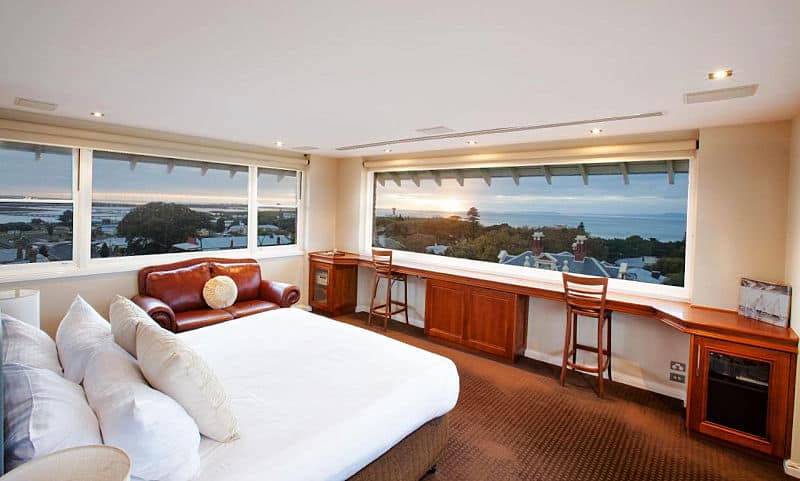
x=741 y=209
x=741 y=231
x=793 y=264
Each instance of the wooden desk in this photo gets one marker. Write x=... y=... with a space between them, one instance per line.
x=454 y=293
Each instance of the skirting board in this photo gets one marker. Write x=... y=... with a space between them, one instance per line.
x=792 y=468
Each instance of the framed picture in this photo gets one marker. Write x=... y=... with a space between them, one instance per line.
x=765 y=302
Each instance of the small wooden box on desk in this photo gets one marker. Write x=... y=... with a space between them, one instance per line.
x=333 y=282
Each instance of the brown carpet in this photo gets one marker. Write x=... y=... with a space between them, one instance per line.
x=518 y=423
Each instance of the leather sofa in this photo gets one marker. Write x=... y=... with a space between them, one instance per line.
x=172 y=294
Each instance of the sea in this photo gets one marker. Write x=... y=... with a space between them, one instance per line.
x=20 y=212
x=664 y=227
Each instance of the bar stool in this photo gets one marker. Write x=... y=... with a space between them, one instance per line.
x=586 y=296
x=382 y=260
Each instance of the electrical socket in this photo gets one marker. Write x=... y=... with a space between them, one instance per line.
x=677 y=366
x=675 y=377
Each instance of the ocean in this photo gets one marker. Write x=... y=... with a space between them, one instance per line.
x=664 y=227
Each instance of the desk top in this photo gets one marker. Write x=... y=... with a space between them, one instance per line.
x=708 y=322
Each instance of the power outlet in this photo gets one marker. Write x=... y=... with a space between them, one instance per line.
x=675 y=377
x=677 y=366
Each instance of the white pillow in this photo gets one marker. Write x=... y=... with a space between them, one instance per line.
x=44 y=413
x=28 y=345
x=81 y=331
x=160 y=438
x=220 y=292
x=125 y=315
x=177 y=370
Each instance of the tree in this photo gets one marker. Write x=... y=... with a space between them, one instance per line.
x=66 y=217
x=104 y=250
x=154 y=227
x=50 y=228
x=474 y=219
x=581 y=228
x=220 y=225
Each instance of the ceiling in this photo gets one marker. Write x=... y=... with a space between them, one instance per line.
x=334 y=73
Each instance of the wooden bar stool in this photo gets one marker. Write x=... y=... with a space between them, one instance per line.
x=586 y=296
x=382 y=260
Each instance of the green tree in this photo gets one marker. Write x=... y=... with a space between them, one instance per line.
x=220 y=225
x=66 y=217
x=474 y=219
x=104 y=250
x=154 y=227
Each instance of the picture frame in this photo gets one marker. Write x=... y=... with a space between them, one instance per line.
x=765 y=301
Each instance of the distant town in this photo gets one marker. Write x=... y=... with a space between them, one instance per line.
x=126 y=230
x=554 y=247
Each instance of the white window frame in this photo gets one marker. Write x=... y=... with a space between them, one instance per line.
x=532 y=274
x=82 y=264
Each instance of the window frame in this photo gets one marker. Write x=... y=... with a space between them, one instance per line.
x=82 y=264
x=532 y=274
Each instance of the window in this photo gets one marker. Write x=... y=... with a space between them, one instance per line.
x=277 y=207
x=618 y=220
x=36 y=206
x=152 y=205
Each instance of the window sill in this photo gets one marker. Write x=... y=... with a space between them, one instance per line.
x=117 y=265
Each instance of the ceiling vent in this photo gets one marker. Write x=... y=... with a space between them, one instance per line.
x=34 y=104
x=441 y=129
x=305 y=148
x=721 y=94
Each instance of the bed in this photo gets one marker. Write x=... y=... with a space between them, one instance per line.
x=318 y=399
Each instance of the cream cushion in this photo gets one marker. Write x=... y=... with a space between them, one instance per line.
x=81 y=332
x=220 y=292
x=125 y=315
x=84 y=463
x=44 y=413
x=28 y=345
x=175 y=369
x=156 y=432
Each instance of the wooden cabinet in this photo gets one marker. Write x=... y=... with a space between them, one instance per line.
x=332 y=283
x=742 y=394
x=486 y=320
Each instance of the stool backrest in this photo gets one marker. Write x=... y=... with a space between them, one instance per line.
x=382 y=259
x=585 y=295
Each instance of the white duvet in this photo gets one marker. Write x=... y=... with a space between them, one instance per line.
x=316 y=399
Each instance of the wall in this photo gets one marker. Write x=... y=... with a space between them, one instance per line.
x=741 y=198
x=793 y=274
x=741 y=210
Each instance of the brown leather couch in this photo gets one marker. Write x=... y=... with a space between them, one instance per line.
x=172 y=294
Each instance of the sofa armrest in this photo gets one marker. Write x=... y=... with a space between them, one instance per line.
x=280 y=293
x=158 y=310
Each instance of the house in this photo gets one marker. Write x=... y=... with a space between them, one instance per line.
x=575 y=195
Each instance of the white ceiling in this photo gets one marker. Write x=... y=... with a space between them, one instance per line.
x=333 y=73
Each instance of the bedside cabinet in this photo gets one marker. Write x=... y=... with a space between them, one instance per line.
x=332 y=282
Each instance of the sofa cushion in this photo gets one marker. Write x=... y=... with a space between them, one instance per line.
x=181 y=289
x=245 y=308
x=187 y=320
x=247 y=277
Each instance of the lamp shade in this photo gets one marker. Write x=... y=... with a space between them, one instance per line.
x=22 y=304
x=85 y=463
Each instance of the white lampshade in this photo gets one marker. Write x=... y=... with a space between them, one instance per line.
x=22 y=304
x=84 y=463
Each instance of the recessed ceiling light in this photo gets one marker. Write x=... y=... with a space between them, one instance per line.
x=97 y=114
x=472 y=142
x=720 y=74
x=278 y=143
x=596 y=131
x=386 y=151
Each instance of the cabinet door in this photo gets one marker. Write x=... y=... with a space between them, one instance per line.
x=318 y=285
x=740 y=394
x=490 y=321
x=444 y=310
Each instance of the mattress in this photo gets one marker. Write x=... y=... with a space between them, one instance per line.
x=316 y=399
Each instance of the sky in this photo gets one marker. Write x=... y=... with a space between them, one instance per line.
x=649 y=194
x=21 y=174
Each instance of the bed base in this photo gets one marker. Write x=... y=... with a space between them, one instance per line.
x=412 y=458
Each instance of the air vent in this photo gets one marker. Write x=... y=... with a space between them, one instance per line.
x=721 y=94
x=305 y=148
x=441 y=129
x=34 y=104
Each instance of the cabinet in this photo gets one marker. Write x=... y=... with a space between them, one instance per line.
x=486 y=320
x=741 y=394
x=332 y=282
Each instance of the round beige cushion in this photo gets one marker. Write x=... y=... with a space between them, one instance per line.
x=220 y=292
